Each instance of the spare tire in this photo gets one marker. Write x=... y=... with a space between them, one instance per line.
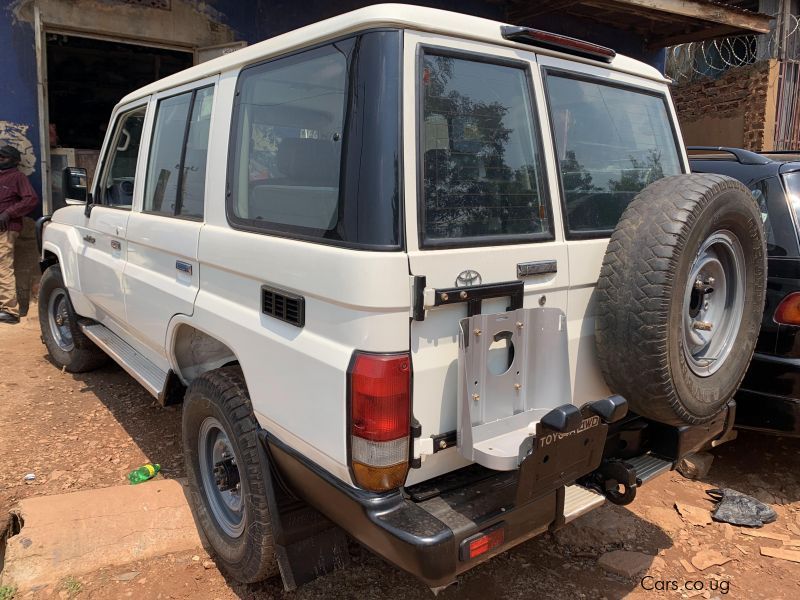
x=680 y=297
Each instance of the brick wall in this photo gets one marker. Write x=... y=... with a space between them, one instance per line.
x=729 y=110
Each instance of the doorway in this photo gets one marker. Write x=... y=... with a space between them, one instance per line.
x=86 y=77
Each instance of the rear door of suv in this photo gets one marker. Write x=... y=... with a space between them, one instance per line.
x=479 y=208
x=613 y=134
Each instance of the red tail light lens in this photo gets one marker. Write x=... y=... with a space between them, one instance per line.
x=379 y=386
x=788 y=311
x=380 y=408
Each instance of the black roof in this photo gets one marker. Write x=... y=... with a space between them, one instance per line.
x=744 y=165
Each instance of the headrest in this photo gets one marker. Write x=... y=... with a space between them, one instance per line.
x=309 y=160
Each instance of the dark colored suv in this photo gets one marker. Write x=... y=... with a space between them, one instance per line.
x=769 y=397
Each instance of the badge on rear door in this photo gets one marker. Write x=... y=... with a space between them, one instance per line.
x=468 y=278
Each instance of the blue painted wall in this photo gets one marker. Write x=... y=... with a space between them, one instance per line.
x=18 y=104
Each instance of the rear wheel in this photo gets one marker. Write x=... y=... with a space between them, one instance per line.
x=680 y=297
x=228 y=474
x=67 y=344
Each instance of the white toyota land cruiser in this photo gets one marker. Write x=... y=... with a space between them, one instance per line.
x=408 y=270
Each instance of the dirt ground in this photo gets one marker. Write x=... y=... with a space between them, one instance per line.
x=85 y=431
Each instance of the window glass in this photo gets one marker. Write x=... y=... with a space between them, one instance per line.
x=786 y=223
x=289 y=137
x=164 y=164
x=176 y=170
x=611 y=143
x=481 y=170
x=116 y=188
x=194 y=163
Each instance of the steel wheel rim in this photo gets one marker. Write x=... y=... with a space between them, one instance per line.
x=226 y=505
x=711 y=319
x=58 y=318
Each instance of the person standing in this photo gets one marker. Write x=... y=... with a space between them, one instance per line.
x=17 y=199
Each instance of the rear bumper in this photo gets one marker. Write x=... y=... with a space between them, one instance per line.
x=422 y=537
x=769 y=398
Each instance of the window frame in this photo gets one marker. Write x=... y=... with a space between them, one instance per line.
x=593 y=234
x=192 y=89
x=102 y=172
x=256 y=226
x=525 y=66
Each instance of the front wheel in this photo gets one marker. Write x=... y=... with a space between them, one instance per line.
x=67 y=344
x=228 y=474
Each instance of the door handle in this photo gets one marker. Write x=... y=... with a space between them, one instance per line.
x=537 y=267
x=90 y=239
x=183 y=267
x=116 y=245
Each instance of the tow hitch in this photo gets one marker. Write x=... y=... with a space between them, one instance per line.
x=615 y=479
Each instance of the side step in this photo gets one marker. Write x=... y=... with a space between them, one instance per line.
x=579 y=500
x=140 y=368
x=648 y=466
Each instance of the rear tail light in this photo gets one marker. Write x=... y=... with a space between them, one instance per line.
x=380 y=409
x=788 y=311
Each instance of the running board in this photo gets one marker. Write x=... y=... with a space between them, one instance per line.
x=579 y=500
x=140 y=368
x=648 y=466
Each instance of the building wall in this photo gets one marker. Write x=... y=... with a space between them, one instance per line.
x=736 y=109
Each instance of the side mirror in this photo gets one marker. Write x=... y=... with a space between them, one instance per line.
x=74 y=185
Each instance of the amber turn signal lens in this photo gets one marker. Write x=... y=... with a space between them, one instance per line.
x=380 y=479
x=788 y=311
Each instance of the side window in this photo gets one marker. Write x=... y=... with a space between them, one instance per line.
x=611 y=142
x=116 y=187
x=778 y=222
x=288 y=143
x=482 y=177
x=176 y=167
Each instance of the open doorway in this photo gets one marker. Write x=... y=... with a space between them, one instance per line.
x=86 y=77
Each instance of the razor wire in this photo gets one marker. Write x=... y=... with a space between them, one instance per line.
x=711 y=58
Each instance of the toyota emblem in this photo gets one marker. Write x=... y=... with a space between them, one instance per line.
x=468 y=278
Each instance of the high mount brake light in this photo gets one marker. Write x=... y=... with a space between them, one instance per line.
x=380 y=409
x=788 y=311
x=554 y=41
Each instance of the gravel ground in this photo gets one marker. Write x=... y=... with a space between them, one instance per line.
x=84 y=431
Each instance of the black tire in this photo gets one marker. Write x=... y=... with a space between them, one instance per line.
x=83 y=355
x=641 y=297
x=221 y=395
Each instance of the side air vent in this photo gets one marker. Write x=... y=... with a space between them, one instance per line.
x=283 y=305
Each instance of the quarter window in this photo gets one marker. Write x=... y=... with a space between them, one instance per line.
x=611 y=142
x=482 y=178
x=116 y=187
x=175 y=183
x=290 y=127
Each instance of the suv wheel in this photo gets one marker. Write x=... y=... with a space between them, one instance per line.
x=680 y=297
x=67 y=344
x=228 y=474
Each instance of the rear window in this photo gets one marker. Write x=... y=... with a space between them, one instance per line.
x=611 y=142
x=482 y=177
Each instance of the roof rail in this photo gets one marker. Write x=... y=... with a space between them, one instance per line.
x=745 y=157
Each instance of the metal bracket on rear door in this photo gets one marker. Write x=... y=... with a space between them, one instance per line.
x=498 y=411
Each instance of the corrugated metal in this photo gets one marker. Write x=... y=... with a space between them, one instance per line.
x=787 y=121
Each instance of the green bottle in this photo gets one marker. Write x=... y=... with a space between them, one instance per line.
x=144 y=473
